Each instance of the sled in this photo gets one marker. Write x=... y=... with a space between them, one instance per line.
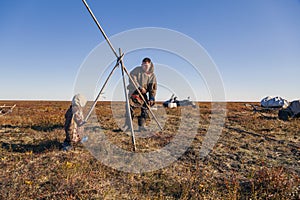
x=261 y=110
x=4 y=110
x=173 y=102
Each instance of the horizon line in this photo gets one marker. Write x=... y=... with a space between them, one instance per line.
x=60 y=100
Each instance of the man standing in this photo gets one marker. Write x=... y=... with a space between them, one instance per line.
x=145 y=80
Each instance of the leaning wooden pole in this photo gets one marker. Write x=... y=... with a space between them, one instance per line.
x=100 y=28
x=127 y=103
x=101 y=90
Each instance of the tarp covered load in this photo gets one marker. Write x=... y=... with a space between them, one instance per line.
x=173 y=102
x=293 y=110
x=274 y=102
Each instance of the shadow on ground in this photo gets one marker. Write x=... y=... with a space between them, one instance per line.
x=44 y=128
x=34 y=148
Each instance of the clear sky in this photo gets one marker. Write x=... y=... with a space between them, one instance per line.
x=255 y=43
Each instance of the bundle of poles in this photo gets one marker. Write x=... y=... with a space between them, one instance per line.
x=119 y=63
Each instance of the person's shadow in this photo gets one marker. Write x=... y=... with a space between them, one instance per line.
x=43 y=146
x=34 y=148
x=43 y=128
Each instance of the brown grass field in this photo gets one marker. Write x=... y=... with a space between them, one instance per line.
x=256 y=157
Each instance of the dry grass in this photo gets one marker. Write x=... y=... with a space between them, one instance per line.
x=256 y=157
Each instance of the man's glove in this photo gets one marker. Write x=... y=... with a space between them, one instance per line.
x=151 y=102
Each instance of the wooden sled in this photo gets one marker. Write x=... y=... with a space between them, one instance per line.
x=260 y=110
x=4 y=110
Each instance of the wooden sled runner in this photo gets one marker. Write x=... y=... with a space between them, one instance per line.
x=261 y=110
x=4 y=110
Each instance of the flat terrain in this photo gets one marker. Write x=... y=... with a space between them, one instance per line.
x=256 y=156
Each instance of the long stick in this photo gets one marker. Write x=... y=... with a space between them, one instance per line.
x=127 y=103
x=100 y=28
x=95 y=102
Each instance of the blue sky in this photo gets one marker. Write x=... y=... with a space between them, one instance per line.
x=255 y=44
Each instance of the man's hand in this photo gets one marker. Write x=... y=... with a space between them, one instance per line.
x=151 y=103
x=143 y=90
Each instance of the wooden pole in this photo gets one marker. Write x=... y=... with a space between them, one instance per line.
x=127 y=103
x=97 y=98
x=100 y=28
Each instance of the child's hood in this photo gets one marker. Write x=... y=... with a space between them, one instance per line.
x=79 y=100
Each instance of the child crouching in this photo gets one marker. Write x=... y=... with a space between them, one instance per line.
x=74 y=120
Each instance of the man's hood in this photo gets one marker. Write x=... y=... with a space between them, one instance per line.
x=151 y=70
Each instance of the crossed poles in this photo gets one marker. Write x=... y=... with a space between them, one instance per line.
x=124 y=71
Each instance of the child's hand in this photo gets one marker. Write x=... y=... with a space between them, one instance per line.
x=76 y=138
x=82 y=123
